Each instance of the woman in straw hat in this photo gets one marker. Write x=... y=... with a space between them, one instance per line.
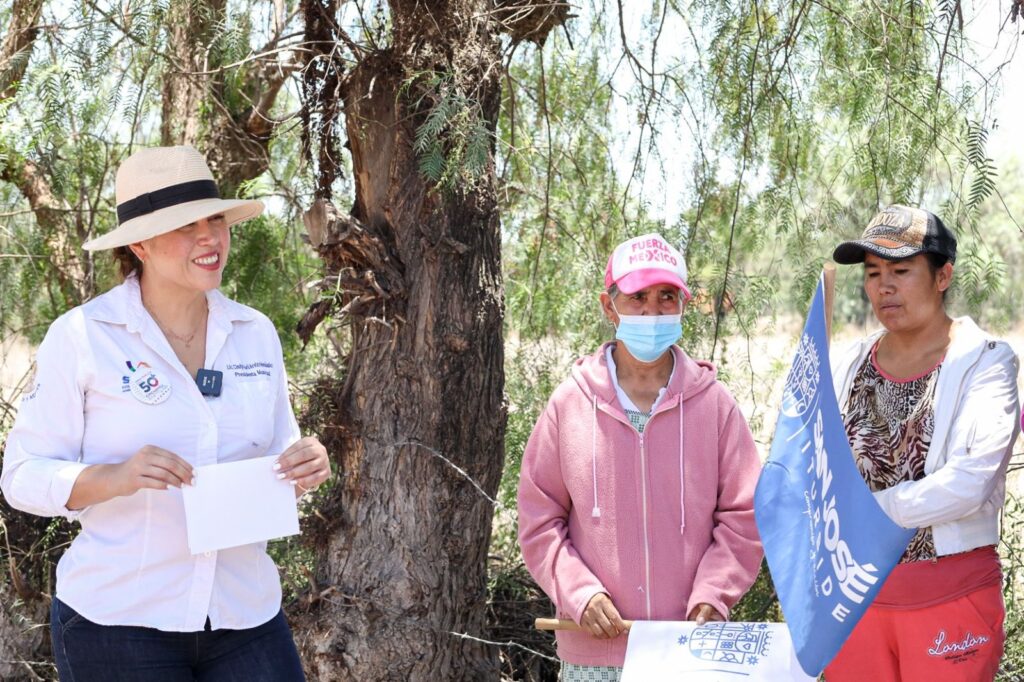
x=133 y=390
x=636 y=487
x=930 y=406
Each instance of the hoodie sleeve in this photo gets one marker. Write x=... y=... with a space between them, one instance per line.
x=980 y=443
x=730 y=564
x=544 y=505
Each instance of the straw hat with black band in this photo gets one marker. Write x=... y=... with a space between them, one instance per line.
x=160 y=189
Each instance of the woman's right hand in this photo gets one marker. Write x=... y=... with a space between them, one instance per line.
x=150 y=467
x=601 y=619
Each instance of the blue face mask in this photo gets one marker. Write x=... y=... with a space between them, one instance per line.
x=647 y=337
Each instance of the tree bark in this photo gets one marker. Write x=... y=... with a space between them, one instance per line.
x=185 y=85
x=416 y=426
x=235 y=139
x=17 y=44
x=72 y=274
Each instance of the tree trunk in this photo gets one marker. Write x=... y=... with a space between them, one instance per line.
x=73 y=276
x=185 y=87
x=17 y=44
x=416 y=426
x=195 y=109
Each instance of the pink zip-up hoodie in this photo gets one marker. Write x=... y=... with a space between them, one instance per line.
x=661 y=521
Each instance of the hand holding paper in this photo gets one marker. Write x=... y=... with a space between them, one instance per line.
x=237 y=503
x=305 y=464
x=702 y=613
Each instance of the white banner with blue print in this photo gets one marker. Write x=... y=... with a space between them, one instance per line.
x=683 y=650
x=829 y=545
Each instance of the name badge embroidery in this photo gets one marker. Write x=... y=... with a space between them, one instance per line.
x=251 y=370
x=145 y=384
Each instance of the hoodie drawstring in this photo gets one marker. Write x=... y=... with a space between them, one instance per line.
x=596 y=512
x=682 y=488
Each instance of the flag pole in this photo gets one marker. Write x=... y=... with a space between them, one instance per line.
x=565 y=624
x=829 y=273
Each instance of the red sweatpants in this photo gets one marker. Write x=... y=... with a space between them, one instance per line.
x=956 y=641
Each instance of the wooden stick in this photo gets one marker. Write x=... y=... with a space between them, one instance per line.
x=829 y=271
x=564 y=624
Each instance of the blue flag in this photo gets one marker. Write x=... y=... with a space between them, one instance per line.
x=829 y=545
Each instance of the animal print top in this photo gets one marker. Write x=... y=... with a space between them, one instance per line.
x=889 y=424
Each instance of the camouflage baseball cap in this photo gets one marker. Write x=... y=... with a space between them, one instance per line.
x=899 y=232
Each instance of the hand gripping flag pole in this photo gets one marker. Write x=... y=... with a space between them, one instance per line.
x=829 y=545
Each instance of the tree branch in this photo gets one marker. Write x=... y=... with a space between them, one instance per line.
x=31 y=181
x=17 y=44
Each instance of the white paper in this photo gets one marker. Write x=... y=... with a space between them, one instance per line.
x=678 y=650
x=237 y=503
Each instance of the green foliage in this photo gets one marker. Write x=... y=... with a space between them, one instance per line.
x=983 y=184
x=532 y=371
x=294 y=560
x=265 y=271
x=1011 y=548
x=980 y=274
x=800 y=121
x=89 y=97
x=453 y=142
x=778 y=128
x=760 y=603
x=561 y=197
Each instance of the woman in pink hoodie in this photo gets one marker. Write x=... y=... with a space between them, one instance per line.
x=637 y=484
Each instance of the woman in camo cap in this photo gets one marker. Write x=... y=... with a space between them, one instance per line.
x=930 y=406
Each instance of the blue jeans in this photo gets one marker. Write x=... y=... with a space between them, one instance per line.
x=88 y=652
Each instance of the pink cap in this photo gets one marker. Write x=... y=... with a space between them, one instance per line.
x=641 y=262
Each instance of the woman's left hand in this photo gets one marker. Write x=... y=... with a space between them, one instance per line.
x=702 y=613
x=305 y=463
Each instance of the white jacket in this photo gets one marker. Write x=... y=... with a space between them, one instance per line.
x=977 y=413
x=131 y=564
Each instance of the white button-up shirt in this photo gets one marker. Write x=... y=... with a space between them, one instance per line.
x=131 y=565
